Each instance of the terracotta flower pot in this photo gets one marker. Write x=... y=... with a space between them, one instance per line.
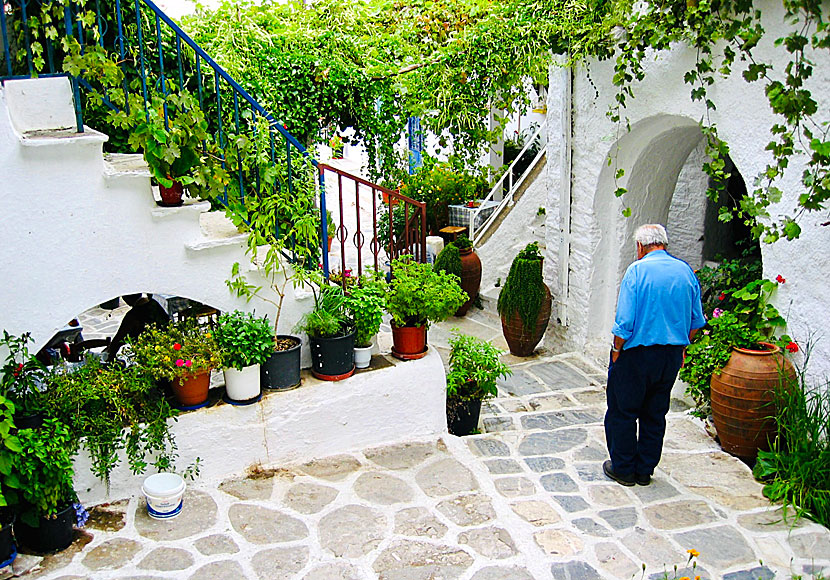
x=409 y=341
x=523 y=341
x=191 y=389
x=470 y=278
x=171 y=196
x=742 y=399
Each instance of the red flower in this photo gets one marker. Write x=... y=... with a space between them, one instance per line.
x=792 y=347
x=780 y=279
x=16 y=372
x=722 y=296
x=177 y=346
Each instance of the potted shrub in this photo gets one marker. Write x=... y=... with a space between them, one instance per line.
x=736 y=365
x=245 y=342
x=459 y=258
x=48 y=502
x=365 y=302
x=114 y=411
x=474 y=369
x=417 y=296
x=524 y=302
x=183 y=353
x=331 y=334
x=170 y=131
x=22 y=380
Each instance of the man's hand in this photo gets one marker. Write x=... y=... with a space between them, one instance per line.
x=614 y=356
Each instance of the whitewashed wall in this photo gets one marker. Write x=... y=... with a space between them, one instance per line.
x=664 y=130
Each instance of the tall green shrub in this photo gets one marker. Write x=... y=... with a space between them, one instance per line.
x=523 y=291
x=448 y=260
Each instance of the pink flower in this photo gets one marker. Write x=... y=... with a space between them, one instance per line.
x=188 y=363
x=780 y=279
x=177 y=346
x=179 y=362
x=347 y=273
x=717 y=312
x=792 y=347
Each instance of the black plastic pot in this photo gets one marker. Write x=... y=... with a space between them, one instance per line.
x=332 y=359
x=462 y=416
x=281 y=372
x=51 y=535
x=29 y=421
x=8 y=552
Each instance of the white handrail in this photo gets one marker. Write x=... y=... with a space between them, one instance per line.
x=476 y=235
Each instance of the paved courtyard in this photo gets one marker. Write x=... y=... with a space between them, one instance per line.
x=525 y=499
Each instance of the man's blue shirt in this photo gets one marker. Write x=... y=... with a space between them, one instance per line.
x=659 y=302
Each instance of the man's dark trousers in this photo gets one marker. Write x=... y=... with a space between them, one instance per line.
x=639 y=388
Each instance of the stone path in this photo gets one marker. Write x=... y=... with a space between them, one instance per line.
x=526 y=499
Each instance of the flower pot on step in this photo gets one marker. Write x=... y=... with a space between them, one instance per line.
x=242 y=385
x=281 y=372
x=362 y=356
x=191 y=389
x=470 y=277
x=171 y=196
x=332 y=359
x=51 y=535
x=742 y=396
x=521 y=340
x=409 y=341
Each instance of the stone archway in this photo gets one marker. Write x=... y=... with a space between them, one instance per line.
x=653 y=154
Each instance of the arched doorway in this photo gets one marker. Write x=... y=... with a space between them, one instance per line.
x=662 y=158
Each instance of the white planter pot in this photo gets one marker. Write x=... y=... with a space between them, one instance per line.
x=362 y=357
x=242 y=385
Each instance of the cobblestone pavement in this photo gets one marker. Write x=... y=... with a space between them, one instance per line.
x=525 y=499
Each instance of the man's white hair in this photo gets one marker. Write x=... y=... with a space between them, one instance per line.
x=651 y=235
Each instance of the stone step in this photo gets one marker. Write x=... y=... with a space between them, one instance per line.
x=217 y=231
x=63 y=138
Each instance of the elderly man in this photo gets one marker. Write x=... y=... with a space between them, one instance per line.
x=658 y=314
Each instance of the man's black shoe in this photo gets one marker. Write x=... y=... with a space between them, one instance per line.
x=642 y=479
x=626 y=480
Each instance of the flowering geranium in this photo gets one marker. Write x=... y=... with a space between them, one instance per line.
x=780 y=279
x=717 y=312
x=792 y=347
x=180 y=348
x=722 y=296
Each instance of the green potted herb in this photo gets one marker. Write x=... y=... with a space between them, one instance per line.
x=113 y=411
x=458 y=258
x=245 y=342
x=183 y=353
x=331 y=334
x=474 y=369
x=23 y=377
x=417 y=296
x=9 y=481
x=365 y=302
x=48 y=501
x=524 y=302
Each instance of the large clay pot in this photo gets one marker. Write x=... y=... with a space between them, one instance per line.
x=522 y=342
x=470 y=278
x=191 y=390
x=409 y=342
x=742 y=399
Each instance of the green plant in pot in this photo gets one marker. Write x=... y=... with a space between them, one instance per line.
x=47 y=511
x=9 y=480
x=458 y=258
x=245 y=342
x=183 y=353
x=524 y=302
x=113 y=410
x=23 y=378
x=331 y=333
x=418 y=295
x=365 y=302
x=474 y=369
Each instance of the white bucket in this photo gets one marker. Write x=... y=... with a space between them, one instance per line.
x=242 y=385
x=362 y=356
x=164 y=493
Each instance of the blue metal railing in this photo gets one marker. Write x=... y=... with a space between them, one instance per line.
x=156 y=57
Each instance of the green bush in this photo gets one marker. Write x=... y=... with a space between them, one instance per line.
x=523 y=291
x=419 y=295
x=796 y=470
x=474 y=368
x=448 y=260
x=330 y=317
x=243 y=339
x=177 y=350
x=365 y=302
